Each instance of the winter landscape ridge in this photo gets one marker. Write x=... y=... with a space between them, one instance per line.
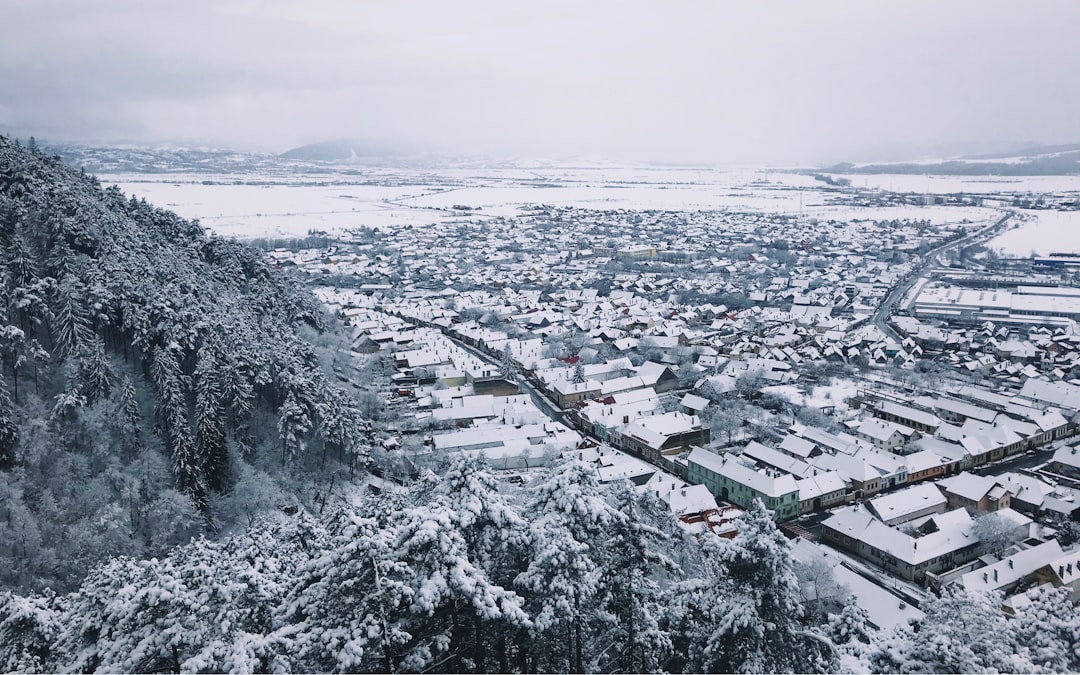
x=535 y=416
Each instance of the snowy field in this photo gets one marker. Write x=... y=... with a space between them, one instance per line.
x=291 y=205
x=937 y=185
x=821 y=396
x=1041 y=232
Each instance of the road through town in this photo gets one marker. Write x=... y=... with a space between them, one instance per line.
x=930 y=259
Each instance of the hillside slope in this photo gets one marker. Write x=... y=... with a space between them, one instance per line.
x=147 y=369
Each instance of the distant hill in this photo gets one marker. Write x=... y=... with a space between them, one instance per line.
x=1057 y=160
x=343 y=151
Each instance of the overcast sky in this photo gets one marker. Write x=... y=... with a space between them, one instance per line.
x=699 y=81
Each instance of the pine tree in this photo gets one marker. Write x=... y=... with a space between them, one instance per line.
x=9 y=431
x=635 y=558
x=570 y=518
x=210 y=421
x=1049 y=629
x=497 y=541
x=743 y=614
x=962 y=632
x=70 y=327
x=29 y=628
x=507 y=369
x=172 y=409
x=95 y=375
x=130 y=419
x=345 y=611
x=579 y=373
x=293 y=427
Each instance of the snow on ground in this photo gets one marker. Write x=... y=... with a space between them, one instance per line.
x=1041 y=232
x=290 y=205
x=935 y=185
x=286 y=210
x=835 y=394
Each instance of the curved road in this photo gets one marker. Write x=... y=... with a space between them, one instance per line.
x=896 y=295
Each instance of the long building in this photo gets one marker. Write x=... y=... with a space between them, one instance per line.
x=1035 y=305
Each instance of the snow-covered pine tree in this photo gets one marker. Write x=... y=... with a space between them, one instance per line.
x=345 y=611
x=95 y=375
x=579 y=373
x=130 y=419
x=570 y=519
x=9 y=430
x=293 y=427
x=449 y=592
x=851 y=633
x=70 y=326
x=172 y=410
x=746 y=618
x=29 y=627
x=962 y=632
x=507 y=369
x=1048 y=627
x=210 y=440
x=497 y=541
x=634 y=562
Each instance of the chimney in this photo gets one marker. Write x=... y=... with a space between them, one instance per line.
x=985 y=578
x=995 y=575
x=1010 y=563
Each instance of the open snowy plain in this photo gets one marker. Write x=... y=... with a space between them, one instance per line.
x=253 y=205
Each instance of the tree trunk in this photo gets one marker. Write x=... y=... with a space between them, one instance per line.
x=579 y=660
x=480 y=654
x=455 y=639
x=504 y=663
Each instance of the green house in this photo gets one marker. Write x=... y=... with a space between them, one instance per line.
x=731 y=480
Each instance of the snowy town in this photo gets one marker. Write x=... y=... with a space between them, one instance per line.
x=909 y=443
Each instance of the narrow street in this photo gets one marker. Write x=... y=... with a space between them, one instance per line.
x=896 y=295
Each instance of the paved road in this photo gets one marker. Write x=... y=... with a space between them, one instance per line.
x=929 y=259
x=1027 y=460
x=539 y=400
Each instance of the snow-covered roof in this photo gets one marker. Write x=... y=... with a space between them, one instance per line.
x=896 y=507
x=954 y=534
x=1012 y=569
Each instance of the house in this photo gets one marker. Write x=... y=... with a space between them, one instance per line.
x=865 y=480
x=697 y=510
x=977 y=494
x=927 y=464
x=693 y=405
x=884 y=609
x=883 y=434
x=763 y=455
x=568 y=393
x=667 y=434
x=1059 y=394
x=1008 y=574
x=658 y=376
x=1066 y=461
x=1062 y=571
x=937 y=543
x=797 y=447
x=920 y=420
x=730 y=480
x=909 y=504
x=822 y=490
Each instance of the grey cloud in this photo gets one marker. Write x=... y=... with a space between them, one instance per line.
x=727 y=82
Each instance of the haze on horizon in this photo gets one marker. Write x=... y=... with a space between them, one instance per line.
x=778 y=82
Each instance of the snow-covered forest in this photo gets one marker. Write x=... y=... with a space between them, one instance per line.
x=154 y=379
x=460 y=575
x=164 y=393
